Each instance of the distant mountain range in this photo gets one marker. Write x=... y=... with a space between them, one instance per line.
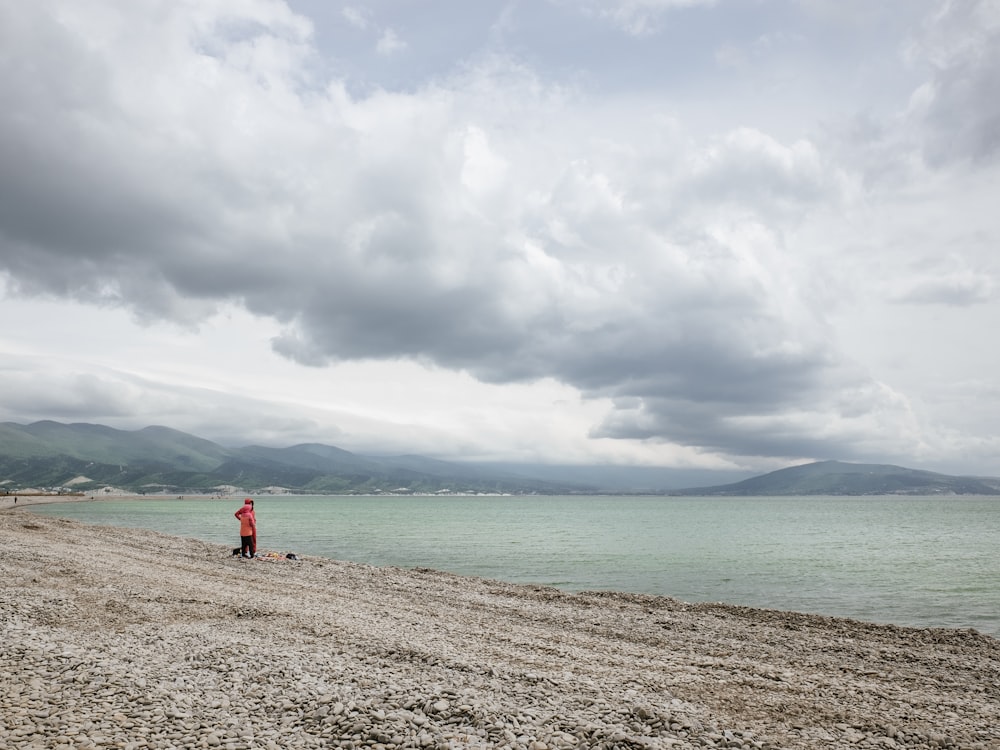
x=158 y=460
x=839 y=478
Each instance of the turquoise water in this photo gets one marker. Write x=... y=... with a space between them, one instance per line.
x=921 y=561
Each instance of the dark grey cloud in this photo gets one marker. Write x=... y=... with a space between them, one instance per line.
x=714 y=428
x=958 y=105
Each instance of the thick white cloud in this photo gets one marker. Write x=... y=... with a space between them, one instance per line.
x=689 y=281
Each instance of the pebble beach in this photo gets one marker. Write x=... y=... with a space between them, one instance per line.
x=125 y=638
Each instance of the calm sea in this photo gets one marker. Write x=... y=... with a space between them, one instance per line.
x=921 y=561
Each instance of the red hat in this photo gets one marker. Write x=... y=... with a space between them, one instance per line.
x=248 y=501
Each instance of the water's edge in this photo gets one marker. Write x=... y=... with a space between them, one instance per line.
x=923 y=562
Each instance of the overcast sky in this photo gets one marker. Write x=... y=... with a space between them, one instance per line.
x=732 y=234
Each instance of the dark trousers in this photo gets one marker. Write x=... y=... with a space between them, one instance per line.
x=246 y=545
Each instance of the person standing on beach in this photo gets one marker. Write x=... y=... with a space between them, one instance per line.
x=248 y=529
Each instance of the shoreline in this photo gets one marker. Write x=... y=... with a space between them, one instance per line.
x=130 y=638
x=885 y=609
x=7 y=502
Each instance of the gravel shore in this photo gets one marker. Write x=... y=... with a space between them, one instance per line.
x=125 y=638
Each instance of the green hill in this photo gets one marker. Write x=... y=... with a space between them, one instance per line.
x=87 y=457
x=839 y=478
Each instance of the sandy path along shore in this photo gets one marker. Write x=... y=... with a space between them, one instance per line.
x=118 y=637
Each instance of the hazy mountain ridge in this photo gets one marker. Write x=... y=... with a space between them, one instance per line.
x=52 y=454
x=161 y=459
x=839 y=478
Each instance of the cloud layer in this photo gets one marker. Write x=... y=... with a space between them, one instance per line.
x=690 y=270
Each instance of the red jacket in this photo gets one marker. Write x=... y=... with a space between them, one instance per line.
x=248 y=522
